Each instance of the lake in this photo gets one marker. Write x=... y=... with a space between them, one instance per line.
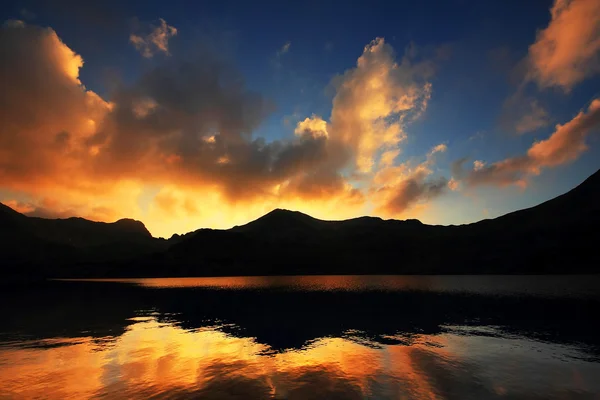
x=325 y=337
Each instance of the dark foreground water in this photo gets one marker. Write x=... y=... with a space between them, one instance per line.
x=387 y=337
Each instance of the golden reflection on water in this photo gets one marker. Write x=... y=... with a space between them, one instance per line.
x=159 y=360
x=304 y=282
x=546 y=286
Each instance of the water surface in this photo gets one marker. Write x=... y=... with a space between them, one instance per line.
x=329 y=337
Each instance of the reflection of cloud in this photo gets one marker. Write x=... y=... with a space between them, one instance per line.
x=157 y=359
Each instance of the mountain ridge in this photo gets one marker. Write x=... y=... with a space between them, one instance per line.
x=556 y=236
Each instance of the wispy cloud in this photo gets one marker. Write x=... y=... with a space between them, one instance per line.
x=156 y=41
x=280 y=52
x=522 y=114
x=285 y=48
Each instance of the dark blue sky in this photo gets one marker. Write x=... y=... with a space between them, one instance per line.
x=477 y=50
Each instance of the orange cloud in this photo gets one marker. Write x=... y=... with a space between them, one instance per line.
x=568 y=50
x=565 y=145
x=47 y=115
x=181 y=139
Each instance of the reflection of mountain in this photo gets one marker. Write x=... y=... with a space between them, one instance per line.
x=558 y=236
x=285 y=319
x=163 y=360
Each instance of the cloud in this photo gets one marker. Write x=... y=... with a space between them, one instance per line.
x=411 y=190
x=536 y=118
x=187 y=129
x=374 y=101
x=453 y=184
x=522 y=114
x=285 y=48
x=403 y=186
x=564 y=54
x=25 y=13
x=440 y=148
x=51 y=208
x=279 y=54
x=314 y=127
x=20 y=206
x=568 y=50
x=47 y=114
x=157 y=41
x=564 y=145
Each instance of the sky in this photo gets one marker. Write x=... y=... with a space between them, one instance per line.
x=210 y=114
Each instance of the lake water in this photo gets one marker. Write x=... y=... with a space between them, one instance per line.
x=329 y=337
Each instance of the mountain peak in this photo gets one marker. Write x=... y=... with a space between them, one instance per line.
x=133 y=225
x=279 y=219
x=8 y=210
x=284 y=212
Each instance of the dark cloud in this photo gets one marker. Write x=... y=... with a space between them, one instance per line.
x=413 y=190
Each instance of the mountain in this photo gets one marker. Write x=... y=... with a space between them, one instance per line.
x=558 y=236
x=39 y=246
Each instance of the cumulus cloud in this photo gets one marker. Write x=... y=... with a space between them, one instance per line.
x=156 y=41
x=187 y=128
x=47 y=114
x=453 y=184
x=564 y=145
x=374 y=100
x=568 y=50
x=478 y=164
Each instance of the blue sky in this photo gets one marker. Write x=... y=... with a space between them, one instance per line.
x=477 y=51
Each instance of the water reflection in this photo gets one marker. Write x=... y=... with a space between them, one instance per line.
x=550 y=285
x=154 y=359
x=167 y=340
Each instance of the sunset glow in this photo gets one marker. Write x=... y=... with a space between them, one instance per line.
x=188 y=136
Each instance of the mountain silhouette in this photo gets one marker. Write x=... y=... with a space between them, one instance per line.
x=558 y=236
x=39 y=246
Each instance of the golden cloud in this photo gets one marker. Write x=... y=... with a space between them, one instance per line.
x=177 y=148
x=373 y=101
